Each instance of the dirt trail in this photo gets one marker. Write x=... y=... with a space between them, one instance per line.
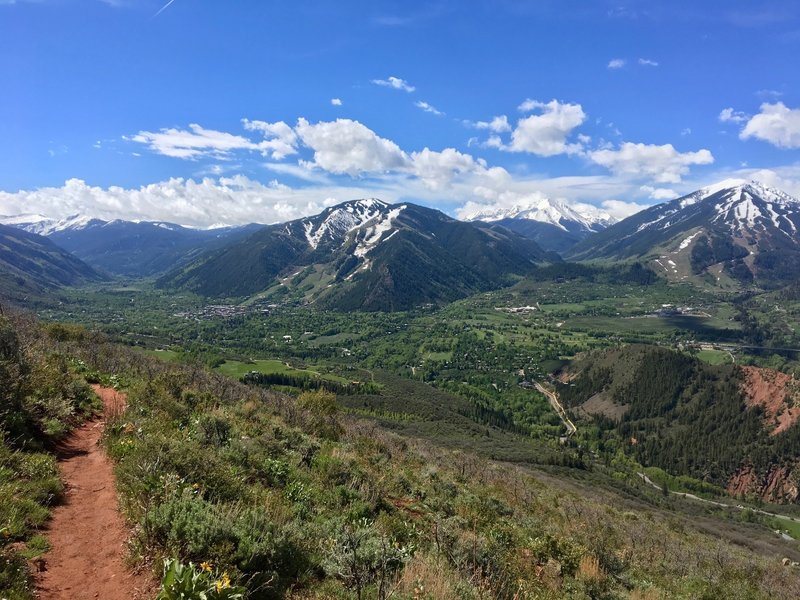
x=87 y=532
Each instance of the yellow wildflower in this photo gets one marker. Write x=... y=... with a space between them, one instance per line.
x=206 y=566
x=223 y=582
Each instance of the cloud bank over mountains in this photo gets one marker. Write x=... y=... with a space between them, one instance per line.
x=315 y=164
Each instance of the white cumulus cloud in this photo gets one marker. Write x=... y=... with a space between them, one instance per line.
x=662 y=164
x=437 y=169
x=498 y=124
x=336 y=101
x=646 y=62
x=619 y=209
x=659 y=193
x=347 y=146
x=280 y=142
x=777 y=124
x=616 y=63
x=202 y=203
x=546 y=133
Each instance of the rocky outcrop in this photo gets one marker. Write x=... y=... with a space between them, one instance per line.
x=779 y=485
x=777 y=393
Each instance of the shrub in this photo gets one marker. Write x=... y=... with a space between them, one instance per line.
x=320 y=402
x=196 y=582
x=361 y=556
x=188 y=526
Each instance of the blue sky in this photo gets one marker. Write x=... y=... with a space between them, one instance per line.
x=264 y=110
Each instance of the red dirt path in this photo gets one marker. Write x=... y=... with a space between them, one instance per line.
x=87 y=532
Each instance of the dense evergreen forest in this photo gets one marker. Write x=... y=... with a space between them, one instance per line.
x=682 y=415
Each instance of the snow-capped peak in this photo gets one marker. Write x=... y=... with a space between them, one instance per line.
x=749 y=203
x=336 y=222
x=735 y=188
x=739 y=205
x=545 y=210
x=22 y=220
x=45 y=226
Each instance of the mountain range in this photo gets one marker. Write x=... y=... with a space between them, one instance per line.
x=365 y=254
x=732 y=233
x=550 y=223
x=129 y=248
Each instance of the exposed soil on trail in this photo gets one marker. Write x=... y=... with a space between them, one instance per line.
x=87 y=532
x=776 y=392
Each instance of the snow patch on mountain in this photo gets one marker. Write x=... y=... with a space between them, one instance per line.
x=739 y=204
x=374 y=233
x=750 y=203
x=685 y=243
x=23 y=220
x=710 y=190
x=340 y=220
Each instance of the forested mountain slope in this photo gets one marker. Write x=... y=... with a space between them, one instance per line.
x=365 y=254
x=32 y=264
x=686 y=417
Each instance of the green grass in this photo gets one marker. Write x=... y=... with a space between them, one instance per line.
x=437 y=356
x=683 y=483
x=791 y=527
x=170 y=355
x=237 y=369
x=714 y=357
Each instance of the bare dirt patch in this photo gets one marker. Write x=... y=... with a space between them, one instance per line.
x=778 y=393
x=601 y=404
x=87 y=533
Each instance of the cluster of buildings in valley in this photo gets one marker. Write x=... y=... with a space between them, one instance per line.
x=224 y=311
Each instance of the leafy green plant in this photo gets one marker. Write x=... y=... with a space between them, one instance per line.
x=196 y=582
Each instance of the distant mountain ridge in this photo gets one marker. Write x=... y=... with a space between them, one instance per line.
x=365 y=254
x=552 y=224
x=734 y=232
x=42 y=225
x=31 y=263
x=128 y=248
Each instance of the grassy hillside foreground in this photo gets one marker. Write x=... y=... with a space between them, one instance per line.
x=41 y=399
x=288 y=498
